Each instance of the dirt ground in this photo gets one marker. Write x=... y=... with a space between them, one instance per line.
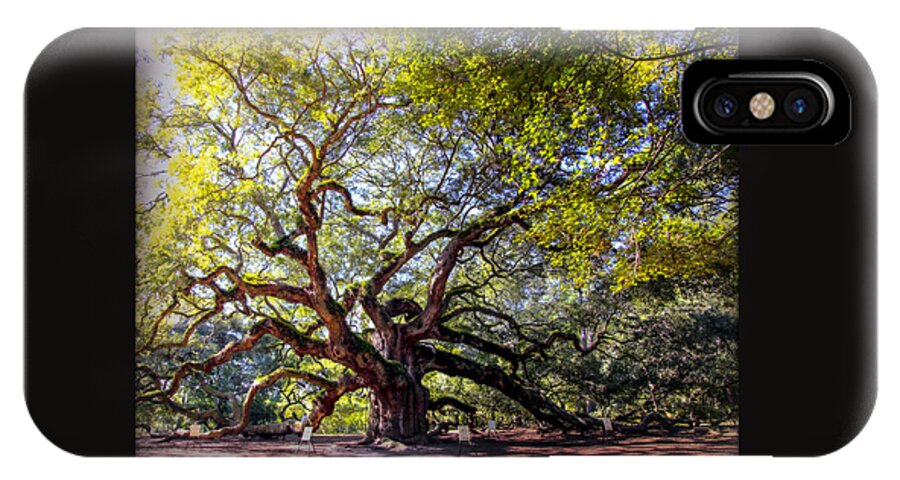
x=506 y=443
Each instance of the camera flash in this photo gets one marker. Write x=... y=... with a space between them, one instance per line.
x=762 y=105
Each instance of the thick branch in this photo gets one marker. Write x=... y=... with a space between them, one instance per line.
x=315 y=296
x=284 y=247
x=539 y=406
x=425 y=326
x=332 y=186
x=374 y=311
x=324 y=405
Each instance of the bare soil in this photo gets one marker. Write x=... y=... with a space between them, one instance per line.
x=518 y=442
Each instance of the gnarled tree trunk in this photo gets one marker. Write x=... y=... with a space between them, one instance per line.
x=398 y=405
x=399 y=414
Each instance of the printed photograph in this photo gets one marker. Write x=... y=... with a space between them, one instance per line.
x=449 y=242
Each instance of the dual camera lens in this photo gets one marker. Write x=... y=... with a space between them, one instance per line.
x=799 y=105
x=763 y=102
x=777 y=102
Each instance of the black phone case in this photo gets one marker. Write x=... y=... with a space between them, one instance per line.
x=806 y=247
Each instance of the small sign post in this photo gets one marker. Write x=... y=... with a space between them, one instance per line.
x=608 y=431
x=307 y=437
x=464 y=436
x=195 y=432
x=492 y=428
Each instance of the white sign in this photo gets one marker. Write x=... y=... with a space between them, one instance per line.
x=307 y=434
x=607 y=426
x=464 y=434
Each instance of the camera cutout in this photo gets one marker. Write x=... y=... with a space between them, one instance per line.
x=735 y=101
x=752 y=101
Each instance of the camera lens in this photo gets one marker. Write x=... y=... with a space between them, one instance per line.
x=801 y=105
x=725 y=105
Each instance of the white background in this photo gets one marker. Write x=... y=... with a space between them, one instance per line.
x=28 y=26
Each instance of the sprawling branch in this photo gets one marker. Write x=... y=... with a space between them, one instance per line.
x=536 y=347
x=491 y=312
x=458 y=311
x=288 y=293
x=245 y=95
x=539 y=406
x=333 y=391
x=316 y=295
x=279 y=329
x=193 y=413
x=241 y=288
x=666 y=56
x=188 y=333
x=454 y=336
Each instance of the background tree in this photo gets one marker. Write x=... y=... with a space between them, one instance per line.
x=331 y=213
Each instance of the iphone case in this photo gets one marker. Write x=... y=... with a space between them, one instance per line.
x=440 y=242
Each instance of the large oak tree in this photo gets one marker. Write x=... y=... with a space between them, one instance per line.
x=384 y=204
